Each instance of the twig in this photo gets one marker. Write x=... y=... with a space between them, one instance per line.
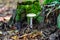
x=50 y=12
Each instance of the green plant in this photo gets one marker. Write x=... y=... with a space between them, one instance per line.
x=34 y=7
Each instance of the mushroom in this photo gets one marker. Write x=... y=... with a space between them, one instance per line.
x=31 y=15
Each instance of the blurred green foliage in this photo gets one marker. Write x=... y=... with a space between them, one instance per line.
x=48 y=1
x=31 y=7
x=28 y=7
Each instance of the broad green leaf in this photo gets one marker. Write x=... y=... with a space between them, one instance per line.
x=58 y=21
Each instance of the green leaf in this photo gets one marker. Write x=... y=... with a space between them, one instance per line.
x=58 y=21
x=47 y=1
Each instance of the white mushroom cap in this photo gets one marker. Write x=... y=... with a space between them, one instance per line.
x=31 y=15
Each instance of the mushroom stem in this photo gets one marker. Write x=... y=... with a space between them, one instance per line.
x=31 y=22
